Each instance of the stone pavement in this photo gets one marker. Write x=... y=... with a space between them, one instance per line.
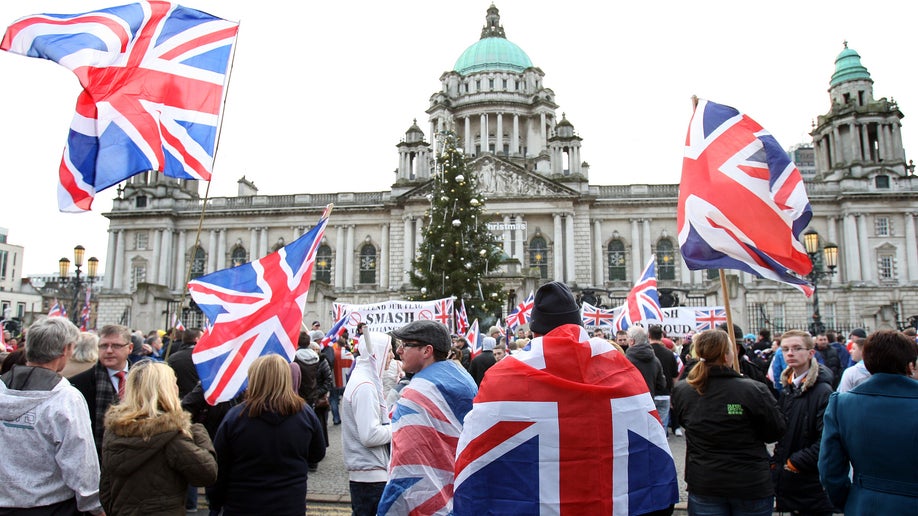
x=328 y=488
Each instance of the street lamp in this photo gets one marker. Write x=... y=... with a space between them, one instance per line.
x=76 y=283
x=830 y=261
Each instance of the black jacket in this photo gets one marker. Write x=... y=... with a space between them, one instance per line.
x=803 y=407
x=648 y=364
x=726 y=429
x=670 y=368
x=185 y=372
x=481 y=364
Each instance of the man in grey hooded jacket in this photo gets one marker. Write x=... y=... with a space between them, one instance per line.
x=48 y=463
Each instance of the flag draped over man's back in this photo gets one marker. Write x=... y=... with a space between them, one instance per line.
x=580 y=435
x=153 y=77
x=742 y=201
x=255 y=309
x=643 y=301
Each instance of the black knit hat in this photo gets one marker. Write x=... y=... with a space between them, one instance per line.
x=554 y=305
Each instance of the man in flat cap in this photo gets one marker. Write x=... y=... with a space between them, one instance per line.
x=426 y=422
x=566 y=426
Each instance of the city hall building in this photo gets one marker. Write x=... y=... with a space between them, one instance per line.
x=554 y=223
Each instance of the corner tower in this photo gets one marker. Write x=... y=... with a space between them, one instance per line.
x=860 y=136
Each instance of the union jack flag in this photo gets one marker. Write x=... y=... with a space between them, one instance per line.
x=473 y=337
x=642 y=303
x=462 y=318
x=523 y=449
x=595 y=317
x=742 y=201
x=256 y=309
x=426 y=423
x=334 y=332
x=57 y=310
x=709 y=318
x=177 y=323
x=443 y=310
x=153 y=77
x=522 y=314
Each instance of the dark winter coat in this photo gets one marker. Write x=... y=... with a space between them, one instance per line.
x=804 y=407
x=186 y=373
x=481 y=364
x=832 y=360
x=264 y=461
x=151 y=475
x=670 y=367
x=648 y=364
x=317 y=376
x=726 y=429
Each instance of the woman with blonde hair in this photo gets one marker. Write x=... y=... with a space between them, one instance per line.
x=265 y=445
x=151 y=451
x=728 y=418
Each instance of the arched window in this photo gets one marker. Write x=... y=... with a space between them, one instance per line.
x=538 y=256
x=368 y=264
x=198 y=262
x=238 y=257
x=616 y=260
x=323 y=263
x=666 y=260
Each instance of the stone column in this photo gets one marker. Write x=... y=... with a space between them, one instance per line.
x=119 y=258
x=349 y=256
x=648 y=250
x=557 y=255
x=832 y=233
x=543 y=139
x=518 y=240
x=499 y=142
x=111 y=253
x=157 y=256
x=515 y=135
x=165 y=267
x=221 y=249
x=468 y=136
x=384 y=257
x=212 y=252
x=855 y=142
x=181 y=268
x=340 y=257
x=865 y=142
x=263 y=248
x=598 y=252
x=484 y=133
x=407 y=249
x=911 y=247
x=506 y=237
x=838 y=148
x=570 y=272
x=864 y=246
x=852 y=256
x=636 y=262
x=253 y=244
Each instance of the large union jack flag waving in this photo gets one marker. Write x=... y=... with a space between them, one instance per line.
x=595 y=317
x=522 y=314
x=256 y=309
x=153 y=77
x=642 y=303
x=566 y=427
x=742 y=201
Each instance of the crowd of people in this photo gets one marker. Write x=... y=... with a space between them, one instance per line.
x=116 y=421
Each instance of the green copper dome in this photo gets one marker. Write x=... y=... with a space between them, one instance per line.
x=848 y=67
x=493 y=51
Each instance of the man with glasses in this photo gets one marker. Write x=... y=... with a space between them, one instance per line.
x=806 y=386
x=426 y=422
x=104 y=383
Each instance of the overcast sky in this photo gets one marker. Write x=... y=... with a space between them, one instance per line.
x=321 y=92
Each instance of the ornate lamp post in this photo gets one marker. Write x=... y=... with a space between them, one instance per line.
x=829 y=261
x=76 y=283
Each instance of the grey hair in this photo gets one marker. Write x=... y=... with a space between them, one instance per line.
x=638 y=335
x=49 y=338
x=87 y=348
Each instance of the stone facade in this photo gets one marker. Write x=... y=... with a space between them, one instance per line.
x=555 y=224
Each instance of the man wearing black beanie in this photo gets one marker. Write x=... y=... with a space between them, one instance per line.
x=546 y=414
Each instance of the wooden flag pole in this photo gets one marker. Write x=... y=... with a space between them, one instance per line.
x=723 y=288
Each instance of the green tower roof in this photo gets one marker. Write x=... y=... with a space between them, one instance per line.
x=848 y=67
x=493 y=51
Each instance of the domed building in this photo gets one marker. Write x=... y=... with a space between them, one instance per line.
x=553 y=223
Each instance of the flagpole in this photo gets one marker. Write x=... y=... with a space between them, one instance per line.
x=723 y=288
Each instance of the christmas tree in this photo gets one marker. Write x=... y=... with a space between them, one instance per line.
x=458 y=252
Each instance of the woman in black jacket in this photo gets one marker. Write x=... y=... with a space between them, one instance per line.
x=728 y=418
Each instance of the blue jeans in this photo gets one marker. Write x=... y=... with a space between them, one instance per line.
x=662 y=404
x=365 y=497
x=334 y=397
x=720 y=506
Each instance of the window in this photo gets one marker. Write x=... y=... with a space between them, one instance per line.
x=713 y=274
x=138 y=273
x=20 y=310
x=238 y=256
x=491 y=84
x=323 y=263
x=666 y=260
x=616 y=260
x=828 y=315
x=140 y=201
x=4 y=258
x=887 y=267
x=881 y=181
x=778 y=320
x=538 y=256
x=881 y=226
x=141 y=240
x=505 y=84
x=197 y=262
x=478 y=85
x=368 y=264
x=465 y=87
